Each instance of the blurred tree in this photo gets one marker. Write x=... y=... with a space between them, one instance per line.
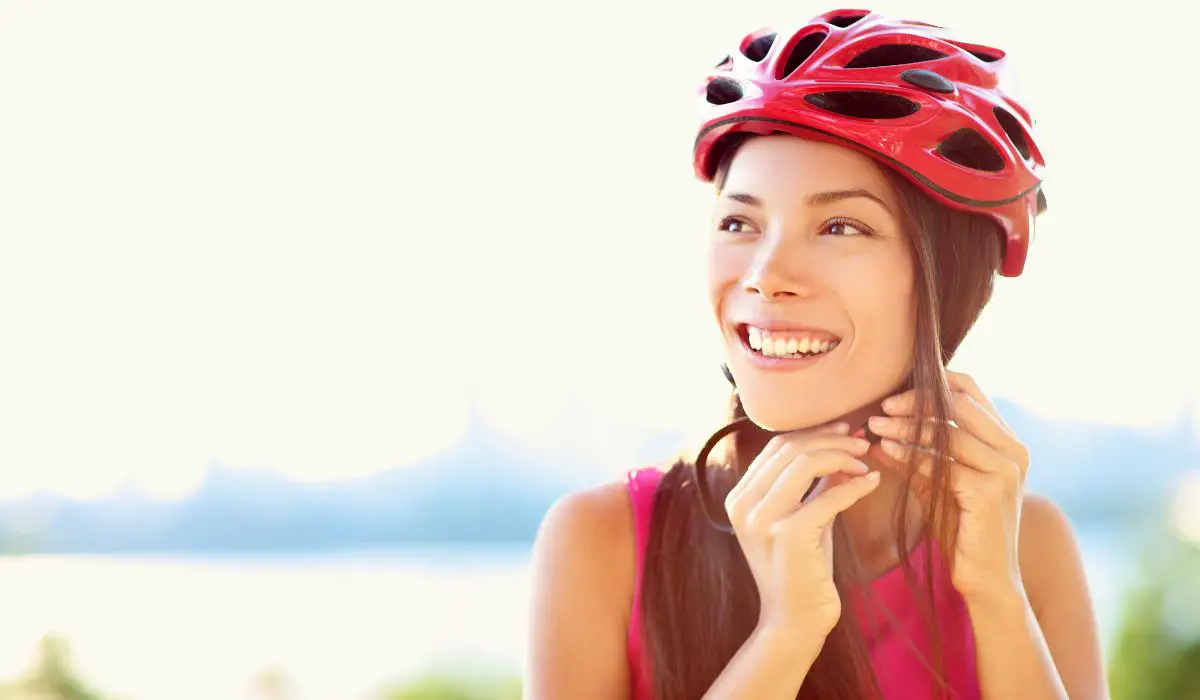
x=1156 y=652
x=52 y=677
x=447 y=686
x=272 y=684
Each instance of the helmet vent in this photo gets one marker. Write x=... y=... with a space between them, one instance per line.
x=970 y=149
x=844 y=21
x=1013 y=128
x=800 y=51
x=927 y=80
x=863 y=104
x=722 y=91
x=983 y=53
x=725 y=63
x=755 y=48
x=893 y=55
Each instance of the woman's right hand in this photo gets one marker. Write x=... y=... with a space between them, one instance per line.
x=787 y=540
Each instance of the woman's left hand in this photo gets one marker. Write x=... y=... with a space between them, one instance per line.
x=987 y=479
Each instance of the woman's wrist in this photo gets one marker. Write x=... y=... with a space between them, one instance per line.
x=802 y=641
x=1006 y=598
x=772 y=663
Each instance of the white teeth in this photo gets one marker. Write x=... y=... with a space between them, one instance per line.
x=755 y=338
x=780 y=345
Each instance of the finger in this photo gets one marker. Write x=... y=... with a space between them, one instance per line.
x=964 y=447
x=967 y=413
x=760 y=462
x=903 y=453
x=787 y=494
x=995 y=431
x=964 y=480
x=821 y=511
x=976 y=420
x=958 y=382
x=900 y=454
x=902 y=404
x=742 y=508
x=966 y=383
x=763 y=471
x=910 y=423
x=773 y=447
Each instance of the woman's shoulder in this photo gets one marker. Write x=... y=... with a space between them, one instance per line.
x=1049 y=552
x=601 y=516
x=596 y=531
x=595 y=515
x=1044 y=530
x=589 y=536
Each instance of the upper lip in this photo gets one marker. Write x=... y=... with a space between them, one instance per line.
x=781 y=326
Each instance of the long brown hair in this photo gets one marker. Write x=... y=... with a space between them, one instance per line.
x=699 y=600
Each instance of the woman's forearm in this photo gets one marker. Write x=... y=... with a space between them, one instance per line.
x=1012 y=658
x=771 y=665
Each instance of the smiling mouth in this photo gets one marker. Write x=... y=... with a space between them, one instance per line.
x=786 y=345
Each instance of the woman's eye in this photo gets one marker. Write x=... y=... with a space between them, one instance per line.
x=732 y=224
x=840 y=227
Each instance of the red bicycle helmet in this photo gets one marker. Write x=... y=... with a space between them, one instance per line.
x=936 y=110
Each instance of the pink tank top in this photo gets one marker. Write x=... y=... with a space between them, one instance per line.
x=901 y=670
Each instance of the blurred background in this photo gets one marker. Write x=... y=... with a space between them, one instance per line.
x=310 y=310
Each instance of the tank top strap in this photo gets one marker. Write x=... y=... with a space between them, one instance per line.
x=642 y=485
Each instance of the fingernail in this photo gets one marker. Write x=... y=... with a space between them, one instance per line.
x=889 y=404
x=861 y=444
x=872 y=476
x=879 y=423
x=840 y=428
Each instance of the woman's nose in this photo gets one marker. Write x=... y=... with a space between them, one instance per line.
x=778 y=273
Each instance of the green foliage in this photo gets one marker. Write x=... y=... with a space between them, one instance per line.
x=457 y=686
x=52 y=677
x=1156 y=653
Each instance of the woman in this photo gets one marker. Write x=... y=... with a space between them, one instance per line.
x=867 y=535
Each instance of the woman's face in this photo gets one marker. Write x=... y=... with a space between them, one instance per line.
x=811 y=280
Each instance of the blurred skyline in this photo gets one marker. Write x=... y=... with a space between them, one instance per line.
x=492 y=490
x=315 y=238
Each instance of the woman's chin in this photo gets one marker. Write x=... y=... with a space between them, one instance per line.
x=783 y=419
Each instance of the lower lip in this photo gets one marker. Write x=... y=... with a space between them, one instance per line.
x=781 y=364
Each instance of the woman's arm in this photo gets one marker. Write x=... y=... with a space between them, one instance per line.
x=1040 y=642
x=770 y=664
x=583 y=571
x=583 y=577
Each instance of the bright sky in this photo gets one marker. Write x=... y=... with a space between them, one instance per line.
x=301 y=235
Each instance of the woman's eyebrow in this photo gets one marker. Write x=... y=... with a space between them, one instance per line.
x=819 y=198
x=816 y=199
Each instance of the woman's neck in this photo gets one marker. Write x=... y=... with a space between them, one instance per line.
x=871 y=523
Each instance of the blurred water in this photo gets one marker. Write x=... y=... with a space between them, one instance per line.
x=337 y=625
